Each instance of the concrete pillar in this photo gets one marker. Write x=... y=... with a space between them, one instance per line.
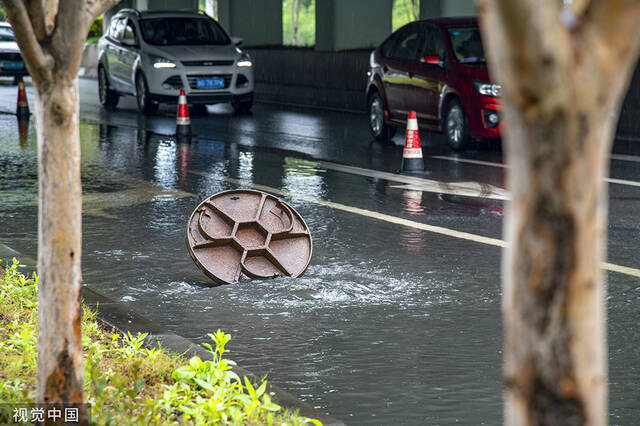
x=257 y=23
x=352 y=24
x=442 y=8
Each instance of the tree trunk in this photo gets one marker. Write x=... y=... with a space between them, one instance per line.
x=563 y=73
x=60 y=364
x=554 y=287
x=51 y=35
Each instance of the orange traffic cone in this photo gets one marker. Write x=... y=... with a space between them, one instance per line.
x=412 y=155
x=22 y=110
x=23 y=132
x=183 y=122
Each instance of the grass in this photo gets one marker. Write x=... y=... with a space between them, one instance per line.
x=126 y=382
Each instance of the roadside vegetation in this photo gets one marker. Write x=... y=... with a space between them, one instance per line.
x=125 y=381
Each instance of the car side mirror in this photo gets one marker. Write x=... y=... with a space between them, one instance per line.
x=237 y=40
x=128 y=41
x=431 y=60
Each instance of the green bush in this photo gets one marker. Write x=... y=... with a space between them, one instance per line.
x=127 y=383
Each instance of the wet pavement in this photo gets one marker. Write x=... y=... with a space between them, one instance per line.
x=396 y=321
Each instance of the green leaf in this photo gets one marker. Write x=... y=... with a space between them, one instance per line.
x=204 y=384
x=195 y=363
x=250 y=388
x=261 y=389
x=244 y=399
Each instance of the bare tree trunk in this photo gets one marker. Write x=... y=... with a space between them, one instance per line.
x=563 y=73
x=51 y=35
x=296 y=19
x=60 y=365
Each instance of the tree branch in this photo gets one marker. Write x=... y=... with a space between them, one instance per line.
x=39 y=62
x=532 y=74
x=617 y=34
x=96 y=8
x=67 y=46
x=50 y=13
x=36 y=15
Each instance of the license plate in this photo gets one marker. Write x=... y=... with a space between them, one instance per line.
x=13 y=65
x=210 y=83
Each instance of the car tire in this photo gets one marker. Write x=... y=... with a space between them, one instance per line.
x=242 y=107
x=377 y=125
x=145 y=104
x=108 y=98
x=456 y=126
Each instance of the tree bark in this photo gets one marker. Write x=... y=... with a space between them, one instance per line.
x=563 y=73
x=60 y=364
x=51 y=36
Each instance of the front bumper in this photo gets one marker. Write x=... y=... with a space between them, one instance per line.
x=204 y=98
x=165 y=84
x=480 y=111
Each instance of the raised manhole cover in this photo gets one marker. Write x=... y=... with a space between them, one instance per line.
x=242 y=234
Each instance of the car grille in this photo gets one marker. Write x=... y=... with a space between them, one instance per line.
x=10 y=56
x=192 y=80
x=207 y=63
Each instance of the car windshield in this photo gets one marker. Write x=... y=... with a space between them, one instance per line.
x=6 y=34
x=182 y=31
x=466 y=44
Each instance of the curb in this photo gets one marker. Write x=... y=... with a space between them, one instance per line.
x=122 y=319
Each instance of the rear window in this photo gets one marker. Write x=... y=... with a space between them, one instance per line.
x=466 y=44
x=6 y=34
x=182 y=31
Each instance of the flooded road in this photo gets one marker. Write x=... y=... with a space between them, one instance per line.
x=396 y=321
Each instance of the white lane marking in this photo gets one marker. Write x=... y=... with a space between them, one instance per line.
x=398 y=220
x=469 y=189
x=623 y=157
x=621 y=269
x=466 y=160
x=491 y=164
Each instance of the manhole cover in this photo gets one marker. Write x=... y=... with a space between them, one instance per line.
x=243 y=234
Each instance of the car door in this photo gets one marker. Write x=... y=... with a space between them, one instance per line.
x=400 y=56
x=428 y=75
x=129 y=47
x=116 y=31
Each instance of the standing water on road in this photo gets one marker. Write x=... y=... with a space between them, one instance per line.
x=389 y=325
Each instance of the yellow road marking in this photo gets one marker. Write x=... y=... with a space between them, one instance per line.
x=400 y=221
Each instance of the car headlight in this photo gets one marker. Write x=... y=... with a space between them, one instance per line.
x=160 y=62
x=244 y=61
x=487 y=89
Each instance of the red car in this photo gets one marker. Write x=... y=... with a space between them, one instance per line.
x=437 y=68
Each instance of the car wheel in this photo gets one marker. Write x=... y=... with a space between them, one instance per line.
x=456 y=127
x=108 y=98
x=242 y=107
x=379 y=129
x=145 y=104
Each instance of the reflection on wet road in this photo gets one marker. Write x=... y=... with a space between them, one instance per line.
x=397 y=320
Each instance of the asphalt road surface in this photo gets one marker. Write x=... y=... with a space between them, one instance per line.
x=396 y=321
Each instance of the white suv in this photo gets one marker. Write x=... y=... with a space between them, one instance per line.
x=153 y=54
